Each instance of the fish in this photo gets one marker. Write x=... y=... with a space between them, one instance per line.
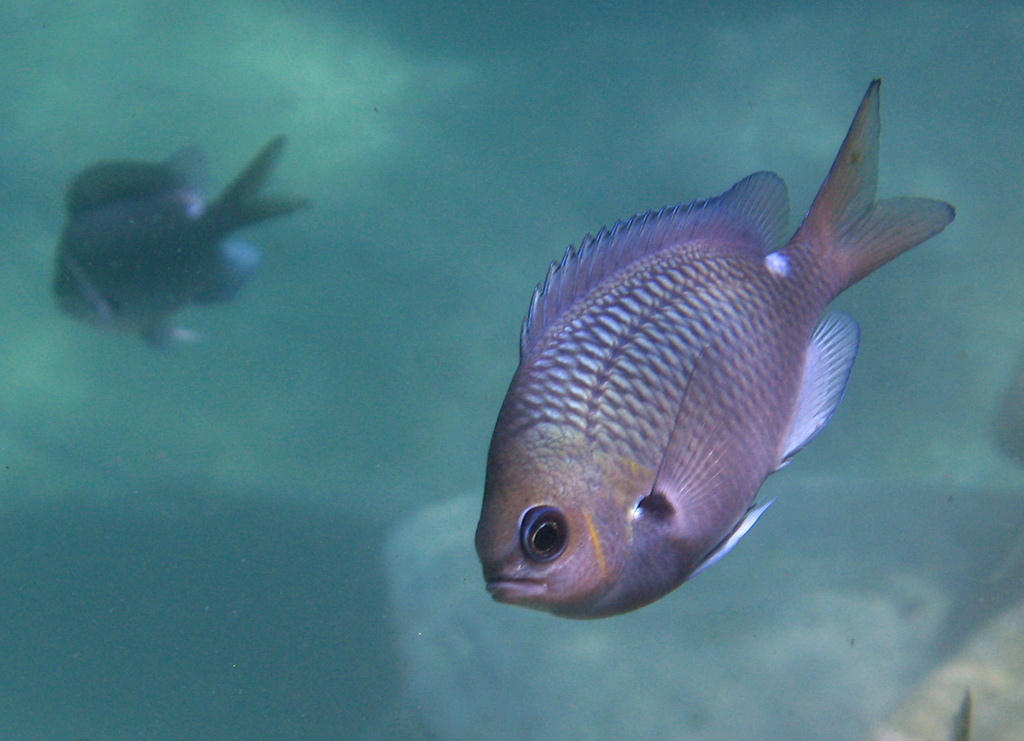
x=1008 y=426
x=140 y=242
x=670 y=364
x=962 y=720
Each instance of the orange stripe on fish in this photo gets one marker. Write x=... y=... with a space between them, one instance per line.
x=598 y=549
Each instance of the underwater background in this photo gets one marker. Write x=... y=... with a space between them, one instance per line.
x=268 y=534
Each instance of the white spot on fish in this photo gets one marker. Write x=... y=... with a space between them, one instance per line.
x=194 y=206
x=777 y=264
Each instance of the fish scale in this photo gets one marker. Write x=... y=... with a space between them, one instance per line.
x=622 y=381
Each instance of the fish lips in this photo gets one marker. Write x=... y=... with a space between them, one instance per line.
x=515 y=590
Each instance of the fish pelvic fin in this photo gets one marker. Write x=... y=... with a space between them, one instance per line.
x=240 y=203
x=729 y=542
x=160 y=334
x=847 y=233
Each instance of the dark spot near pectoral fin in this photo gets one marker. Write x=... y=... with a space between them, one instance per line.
x=656 y=505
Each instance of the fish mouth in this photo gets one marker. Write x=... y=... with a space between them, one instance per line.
x=504 y=589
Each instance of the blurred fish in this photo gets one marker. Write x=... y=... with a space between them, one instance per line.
x=962 y=720
x=140 y=243
x=667 y=367
x=1009 y=422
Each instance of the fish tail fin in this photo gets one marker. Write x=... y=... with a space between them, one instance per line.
x=240 y=203
x=846 y=232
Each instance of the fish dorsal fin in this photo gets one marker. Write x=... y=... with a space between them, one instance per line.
x=105 y=183
x=751 y=215
x=830 y=357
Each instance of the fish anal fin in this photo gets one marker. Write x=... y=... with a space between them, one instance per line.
x=827 y=367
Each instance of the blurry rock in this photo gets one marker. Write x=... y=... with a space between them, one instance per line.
x=1009 y=423
x=991 y=664
x=783 y=641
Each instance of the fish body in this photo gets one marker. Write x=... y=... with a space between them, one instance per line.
x=140 y=242
x=667 y=367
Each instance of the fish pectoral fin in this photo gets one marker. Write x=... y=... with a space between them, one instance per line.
x=730 y=541
x=827 y=367
x=698 y=461
x=691 y=464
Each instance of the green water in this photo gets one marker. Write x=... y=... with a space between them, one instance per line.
x=192 y=538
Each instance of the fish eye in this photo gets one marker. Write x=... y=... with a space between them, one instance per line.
x=543 y=533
